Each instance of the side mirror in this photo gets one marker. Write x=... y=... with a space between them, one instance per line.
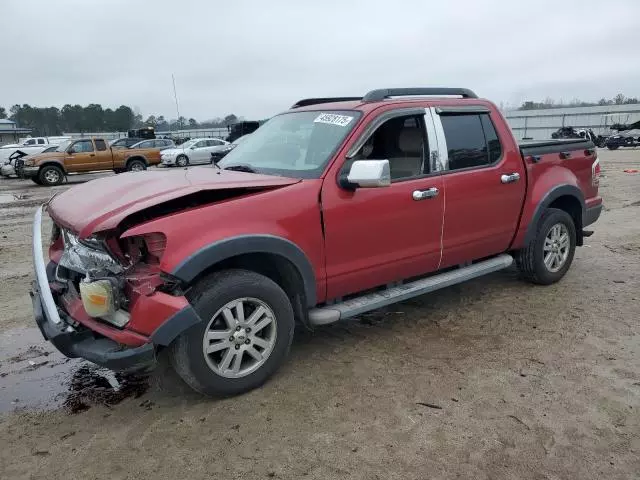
x=368 y=174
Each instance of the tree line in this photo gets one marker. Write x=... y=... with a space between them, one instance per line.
x=619 y=99
x=48 y=121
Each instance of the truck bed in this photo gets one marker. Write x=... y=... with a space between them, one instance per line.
x=542 y=147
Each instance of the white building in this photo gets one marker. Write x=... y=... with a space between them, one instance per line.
x=540 y=124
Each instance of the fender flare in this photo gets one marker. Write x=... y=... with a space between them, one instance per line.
x=55 y=163
x=216 y=252
x=550 y=196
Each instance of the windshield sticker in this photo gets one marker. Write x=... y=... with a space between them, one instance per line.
x=332 y=119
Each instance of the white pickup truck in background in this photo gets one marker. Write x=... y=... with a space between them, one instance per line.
x=30 y=146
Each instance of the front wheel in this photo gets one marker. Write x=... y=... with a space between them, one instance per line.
x=244 y=336
x=182 y=161
x=50 y=175
x=549 y=255
x=613 y=147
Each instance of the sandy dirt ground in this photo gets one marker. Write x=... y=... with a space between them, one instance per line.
x=492 y=379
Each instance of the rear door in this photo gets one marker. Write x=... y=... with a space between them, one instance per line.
x=374 y=236
x=484 y=183
x=81 y=156
x=104 y=159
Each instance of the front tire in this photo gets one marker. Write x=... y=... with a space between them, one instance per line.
x=548 y=256
x=182 y=161
x=36 y=180
x=50 y=175
x=244 y=336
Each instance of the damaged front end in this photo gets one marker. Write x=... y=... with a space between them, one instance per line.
x=102 y=299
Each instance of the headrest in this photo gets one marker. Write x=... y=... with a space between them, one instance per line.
x=410 y=141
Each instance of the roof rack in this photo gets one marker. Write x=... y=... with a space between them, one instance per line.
x=382 y=93
x=314 y=101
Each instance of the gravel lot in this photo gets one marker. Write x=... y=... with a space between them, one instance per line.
x=492 y=379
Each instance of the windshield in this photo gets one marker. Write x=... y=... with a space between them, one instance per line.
x=189 y=144
x=297 y=144
x=63 y=146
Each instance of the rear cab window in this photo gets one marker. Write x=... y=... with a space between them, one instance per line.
x=101 y=146
x=472 y=140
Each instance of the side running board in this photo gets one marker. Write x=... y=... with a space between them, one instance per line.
x=371 y=301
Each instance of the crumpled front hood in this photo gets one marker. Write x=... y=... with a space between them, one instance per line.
x=102 y=204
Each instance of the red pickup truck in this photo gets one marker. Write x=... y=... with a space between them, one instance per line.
x=333 y=208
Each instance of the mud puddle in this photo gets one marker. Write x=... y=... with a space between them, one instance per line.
x=35 y=376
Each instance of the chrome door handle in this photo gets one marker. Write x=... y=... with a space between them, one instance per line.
x=510 y=178
x=425 y=194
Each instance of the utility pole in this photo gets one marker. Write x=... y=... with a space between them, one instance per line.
x=175 y=96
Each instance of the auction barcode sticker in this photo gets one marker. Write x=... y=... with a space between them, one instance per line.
x=333 y=119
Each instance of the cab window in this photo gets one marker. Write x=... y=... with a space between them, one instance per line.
x=82 y=146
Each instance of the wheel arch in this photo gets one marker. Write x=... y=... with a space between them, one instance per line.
x=274 y=257
x=137 y=157
x=52 y=163
x=563 y=197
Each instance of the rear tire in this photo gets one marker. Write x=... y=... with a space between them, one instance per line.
x=259 y=333
x=548 y=256
x=36 y=180
x=136 y=165
x=613 y=147
x=182 y=161
x=50 y=175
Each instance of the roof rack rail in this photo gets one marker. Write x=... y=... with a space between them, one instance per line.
x=382 y=93
x=315 y=101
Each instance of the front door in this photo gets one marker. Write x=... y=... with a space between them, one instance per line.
x=482 y=208
x=200 y=153
x=375 y=236
x=81 y=156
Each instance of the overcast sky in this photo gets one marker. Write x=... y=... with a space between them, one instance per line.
x=255 y=58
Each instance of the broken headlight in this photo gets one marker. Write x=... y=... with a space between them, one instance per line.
x=87 y=258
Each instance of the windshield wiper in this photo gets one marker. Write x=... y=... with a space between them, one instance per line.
x=240 y=168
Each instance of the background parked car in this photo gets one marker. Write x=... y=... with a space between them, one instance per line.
x=125 y=142
x=30 y=146
x=220 y=154
x=9 y=168
x=193 y=152
x=159 y=143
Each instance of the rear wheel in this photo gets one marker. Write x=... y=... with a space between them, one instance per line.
x=136 y=165
x=245 y=334
x=549 y=255
x=50 y=175
x=182 y=161
x=612 y=147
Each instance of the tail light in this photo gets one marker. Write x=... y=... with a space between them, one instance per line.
x=156 y=243
x=595 y=172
